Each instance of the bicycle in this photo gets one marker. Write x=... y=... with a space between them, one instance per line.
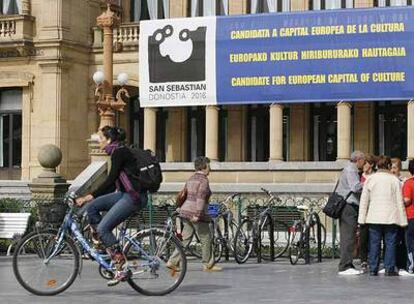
x=304 y=233
x=225 y=228
x=257 y=234
x=192 y=246
x=46 y=262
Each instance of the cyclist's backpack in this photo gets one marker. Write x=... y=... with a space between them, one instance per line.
x=148 y=171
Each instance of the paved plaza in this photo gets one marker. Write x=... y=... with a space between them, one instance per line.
x=277 y=282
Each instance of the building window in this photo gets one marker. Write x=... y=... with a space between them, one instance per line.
x=10 y=131
x=258 y=133
x=148 y=9
x=196 y=132
x=398 y=2
x=324 y=132
x=10 y=7
x=391 y=129
x=330 y=4
x=269 y=6
x=136 y=123
x=209 y=7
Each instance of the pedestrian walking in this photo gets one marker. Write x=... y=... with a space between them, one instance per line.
x=349 y=183
x=195 y=209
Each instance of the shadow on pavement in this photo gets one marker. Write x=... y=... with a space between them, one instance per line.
x=200 y=289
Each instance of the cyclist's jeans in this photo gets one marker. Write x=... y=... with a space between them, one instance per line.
x=204 y=233
x=119 y=206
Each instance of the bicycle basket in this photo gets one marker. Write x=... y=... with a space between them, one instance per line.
x=52 y=212
x=213 y=210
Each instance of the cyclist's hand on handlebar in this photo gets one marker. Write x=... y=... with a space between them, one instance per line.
x=80 y=201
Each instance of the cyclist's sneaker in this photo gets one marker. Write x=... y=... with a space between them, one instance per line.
x=213 y=268
x=120 y=276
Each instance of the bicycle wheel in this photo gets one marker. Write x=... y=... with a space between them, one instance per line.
x=231 y=234
x=282 y=236
x=219 y=242
x=149 y=273
x=243 y=241
x=266 y=233
x=38 y=276
x=296 y=244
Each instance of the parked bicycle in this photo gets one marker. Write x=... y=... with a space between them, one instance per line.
x=261 y=234
x=306 y=234
x=222 y=224
x=46 y=262
x=225 y=227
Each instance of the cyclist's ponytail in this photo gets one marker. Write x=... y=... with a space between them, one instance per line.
x=114 y=134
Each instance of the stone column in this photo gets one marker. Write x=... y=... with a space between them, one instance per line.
x=236 y=128
x=176 y=135
x=26 y=7
x=410 y=130
x=299 y=132
x=364 y=126
x=344 y=130
x=212 y=125
x=49 y=187
x=150 y=129
x=107 y=21
x=276 y=132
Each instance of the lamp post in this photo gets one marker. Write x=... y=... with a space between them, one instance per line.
x=106 y=103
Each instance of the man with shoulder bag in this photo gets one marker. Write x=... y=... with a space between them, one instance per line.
x=350 y=188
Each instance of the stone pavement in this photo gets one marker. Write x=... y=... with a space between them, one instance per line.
x=277 y=282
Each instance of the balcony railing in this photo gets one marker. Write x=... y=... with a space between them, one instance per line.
x=126 y=36
x=15 y=28
x=7 y=28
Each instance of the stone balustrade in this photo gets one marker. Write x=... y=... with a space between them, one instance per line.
x=16 y=28
x=7 y=28
x=127 y=34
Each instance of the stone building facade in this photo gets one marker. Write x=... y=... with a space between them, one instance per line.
x=49 y=50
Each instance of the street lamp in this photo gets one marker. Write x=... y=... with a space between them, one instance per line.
x=106 y=102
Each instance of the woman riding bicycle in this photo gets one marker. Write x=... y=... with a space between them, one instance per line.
x=127 y=199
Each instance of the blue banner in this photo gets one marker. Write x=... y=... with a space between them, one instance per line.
x=350 y=55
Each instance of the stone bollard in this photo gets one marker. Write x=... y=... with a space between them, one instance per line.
x=49 y=187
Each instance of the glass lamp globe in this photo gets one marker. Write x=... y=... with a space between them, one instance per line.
x=122 y=79
x=98 y=77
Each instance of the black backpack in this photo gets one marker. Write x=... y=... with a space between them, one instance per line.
x=148 y=170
